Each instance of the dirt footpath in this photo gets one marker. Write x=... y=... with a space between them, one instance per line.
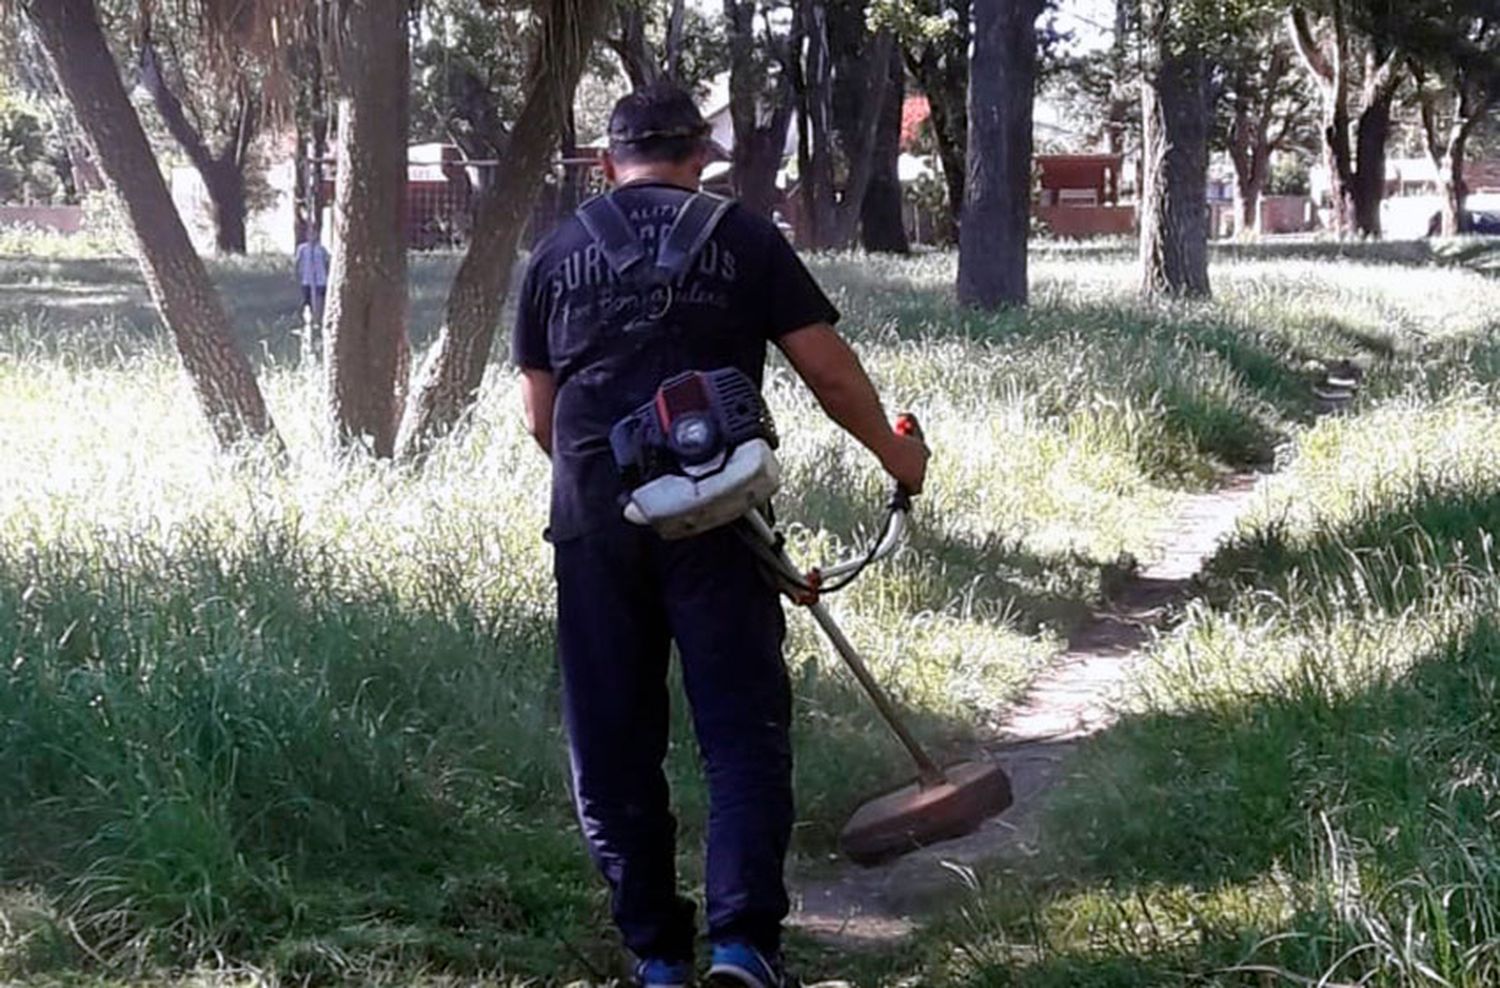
x=868 y=906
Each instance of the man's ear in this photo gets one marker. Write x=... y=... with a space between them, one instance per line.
x=611 y=173
x=700 y=161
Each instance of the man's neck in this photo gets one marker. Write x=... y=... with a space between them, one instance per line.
x=685 y=178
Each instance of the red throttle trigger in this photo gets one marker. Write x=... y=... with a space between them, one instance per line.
x=907 y=426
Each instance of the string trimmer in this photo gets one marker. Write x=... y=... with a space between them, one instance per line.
x=701 y=455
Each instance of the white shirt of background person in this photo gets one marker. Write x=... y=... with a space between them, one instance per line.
x=311 y=263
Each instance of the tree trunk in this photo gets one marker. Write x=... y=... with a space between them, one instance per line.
x=862 y=88
x=1368 y=189
x=368 y=355
x=676 y=21
x=997 y=207
x=843 y=94
x=1250 y=153
x=189 y=303
x=1174 y=194
x=1249 y=194
x=1451 y=179
x=882 y=217
x=854 y=103
x=450 y=379
x=1338 y=162
x=633 y=47
x=761 y=111
x=1447 y=147
x=1356 y=168
x=1252 y=171
x=312 y=131
x=226 y=189
x=223 y=174
x=819 y=212
x=942 y=69
x=951 y=128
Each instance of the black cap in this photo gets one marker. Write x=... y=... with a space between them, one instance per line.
x=660 y=111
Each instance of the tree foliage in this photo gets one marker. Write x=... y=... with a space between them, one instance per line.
x=34 y=165
x=1264 y=106
x=468 y=74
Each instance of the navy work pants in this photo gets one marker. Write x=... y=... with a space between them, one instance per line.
x=623 y=595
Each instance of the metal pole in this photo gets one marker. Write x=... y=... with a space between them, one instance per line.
x=927 y=770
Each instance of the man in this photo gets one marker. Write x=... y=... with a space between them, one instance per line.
x=311 y=263
x=592 y=347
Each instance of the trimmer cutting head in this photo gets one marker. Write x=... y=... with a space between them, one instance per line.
x=920 y=814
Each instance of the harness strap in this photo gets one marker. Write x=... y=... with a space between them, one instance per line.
x=610 y=229
x=622 y=250
x=695 y=223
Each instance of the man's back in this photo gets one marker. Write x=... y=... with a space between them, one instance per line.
x=610 y=342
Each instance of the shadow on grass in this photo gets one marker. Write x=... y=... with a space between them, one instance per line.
x=1275 y=364
x=1285 y=828
x=1387 y=555
x=219 y=749
x=1187 y=843
x=1225 y=388
x=98 y=310
x=1224 y=795
x=1057 y=590
x=1476 y=253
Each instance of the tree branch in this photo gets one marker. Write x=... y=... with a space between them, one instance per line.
x=245 y=128
x=1300 y=28
x=1427 y=105
x=1386 y=78
x=673 y=61
x=171 y=110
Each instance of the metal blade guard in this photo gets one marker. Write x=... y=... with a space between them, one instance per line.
x=698 y=455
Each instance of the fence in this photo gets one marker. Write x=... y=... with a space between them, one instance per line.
x=442 y=198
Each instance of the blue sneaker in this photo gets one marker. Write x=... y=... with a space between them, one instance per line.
x=738 y=965
x=664 y=974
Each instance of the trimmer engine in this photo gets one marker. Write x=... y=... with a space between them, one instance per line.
x=698 y=455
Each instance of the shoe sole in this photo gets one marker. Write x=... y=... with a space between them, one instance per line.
x=733 y=976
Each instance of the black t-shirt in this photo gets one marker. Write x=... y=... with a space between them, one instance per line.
x=746 y=287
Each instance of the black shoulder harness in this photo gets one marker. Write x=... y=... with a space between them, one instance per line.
x=629 y=259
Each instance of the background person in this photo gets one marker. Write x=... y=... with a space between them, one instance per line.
x=311 y=265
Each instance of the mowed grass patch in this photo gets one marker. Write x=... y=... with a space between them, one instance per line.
x=1304 y=784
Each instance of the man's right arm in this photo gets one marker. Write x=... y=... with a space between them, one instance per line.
x=538 y=399
x=530 y=350
x=832 y=370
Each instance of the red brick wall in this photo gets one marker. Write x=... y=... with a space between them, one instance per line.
x=63 y=219
x=1286 y=214
x=1082 y=222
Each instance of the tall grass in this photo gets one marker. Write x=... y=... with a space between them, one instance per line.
x=1305 y=783
x=300 y=718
